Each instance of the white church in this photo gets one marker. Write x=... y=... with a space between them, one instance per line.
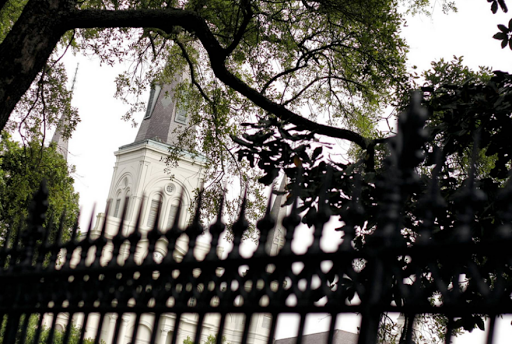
x=140 y=178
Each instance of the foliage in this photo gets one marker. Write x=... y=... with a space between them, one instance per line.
x=46 y=105
x=505 y=33
x=47 y=100
x=470 y=122
x=306 y=62
x=44 y=334
x=22 y=168
x=212 y=339
x=9 y=13
x=443 y=78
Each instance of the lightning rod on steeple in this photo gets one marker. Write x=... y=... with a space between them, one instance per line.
x=74 y=79
x=58 y=138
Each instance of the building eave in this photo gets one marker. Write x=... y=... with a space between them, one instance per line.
x=162 y=148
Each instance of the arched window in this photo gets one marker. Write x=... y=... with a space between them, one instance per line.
x=173 y=210
x=126 y=202
x=117 y=205
x=153 y=210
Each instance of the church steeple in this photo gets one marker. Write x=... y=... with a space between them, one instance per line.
x=165 y=117
x=59 y=139
x=278 y=212
x=141 y=177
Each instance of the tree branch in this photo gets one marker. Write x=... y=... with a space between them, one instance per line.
x=54 y=22
x=192 y=73
x=193 y=23
x=248 y=14
x=283 y=73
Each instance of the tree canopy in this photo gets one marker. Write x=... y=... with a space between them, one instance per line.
x=22 y=168
x=320 y=65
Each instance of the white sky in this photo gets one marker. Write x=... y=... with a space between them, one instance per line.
x=467 y=33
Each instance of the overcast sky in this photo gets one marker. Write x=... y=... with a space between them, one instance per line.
x=467 y=33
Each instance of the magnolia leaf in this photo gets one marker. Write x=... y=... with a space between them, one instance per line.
x=500 y=36
x=503 y=6
x=480 y=323
x=494 y=7
x=503 y=28
x=240 y=142
x=316 y=153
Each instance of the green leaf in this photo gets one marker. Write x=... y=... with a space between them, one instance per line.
x=500 y=36
x=503 y=5
x=504 y=43
x=241 y=142
x=480 y=323
x=503 y=28
x=316 y=153
x=494 y=7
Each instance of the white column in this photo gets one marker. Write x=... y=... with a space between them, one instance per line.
x=105 y=328
x=122 y=333
x=163 y=336
x=111 y=327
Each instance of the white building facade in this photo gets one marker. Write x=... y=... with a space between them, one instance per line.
x=141 y=182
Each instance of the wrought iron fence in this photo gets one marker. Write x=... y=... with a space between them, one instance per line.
x=77 y=280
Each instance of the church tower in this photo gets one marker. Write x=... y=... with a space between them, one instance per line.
x=141 y=175
x=140 y=181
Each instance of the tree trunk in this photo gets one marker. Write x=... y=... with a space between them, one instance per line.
x=27 y=47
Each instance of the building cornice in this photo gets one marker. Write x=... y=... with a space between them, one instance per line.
x=162 y=148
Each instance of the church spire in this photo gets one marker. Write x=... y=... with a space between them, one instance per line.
x=165 y=114
x=278 y=212
x=58 y=137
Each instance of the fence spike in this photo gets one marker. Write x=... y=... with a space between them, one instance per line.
x=134 y=236
x=432 y=202
x=194 y=230
x=491 y=329
x=154 y=234
x=239 y=228
x=216 y=230
x=324 y=212
x=265 y=225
